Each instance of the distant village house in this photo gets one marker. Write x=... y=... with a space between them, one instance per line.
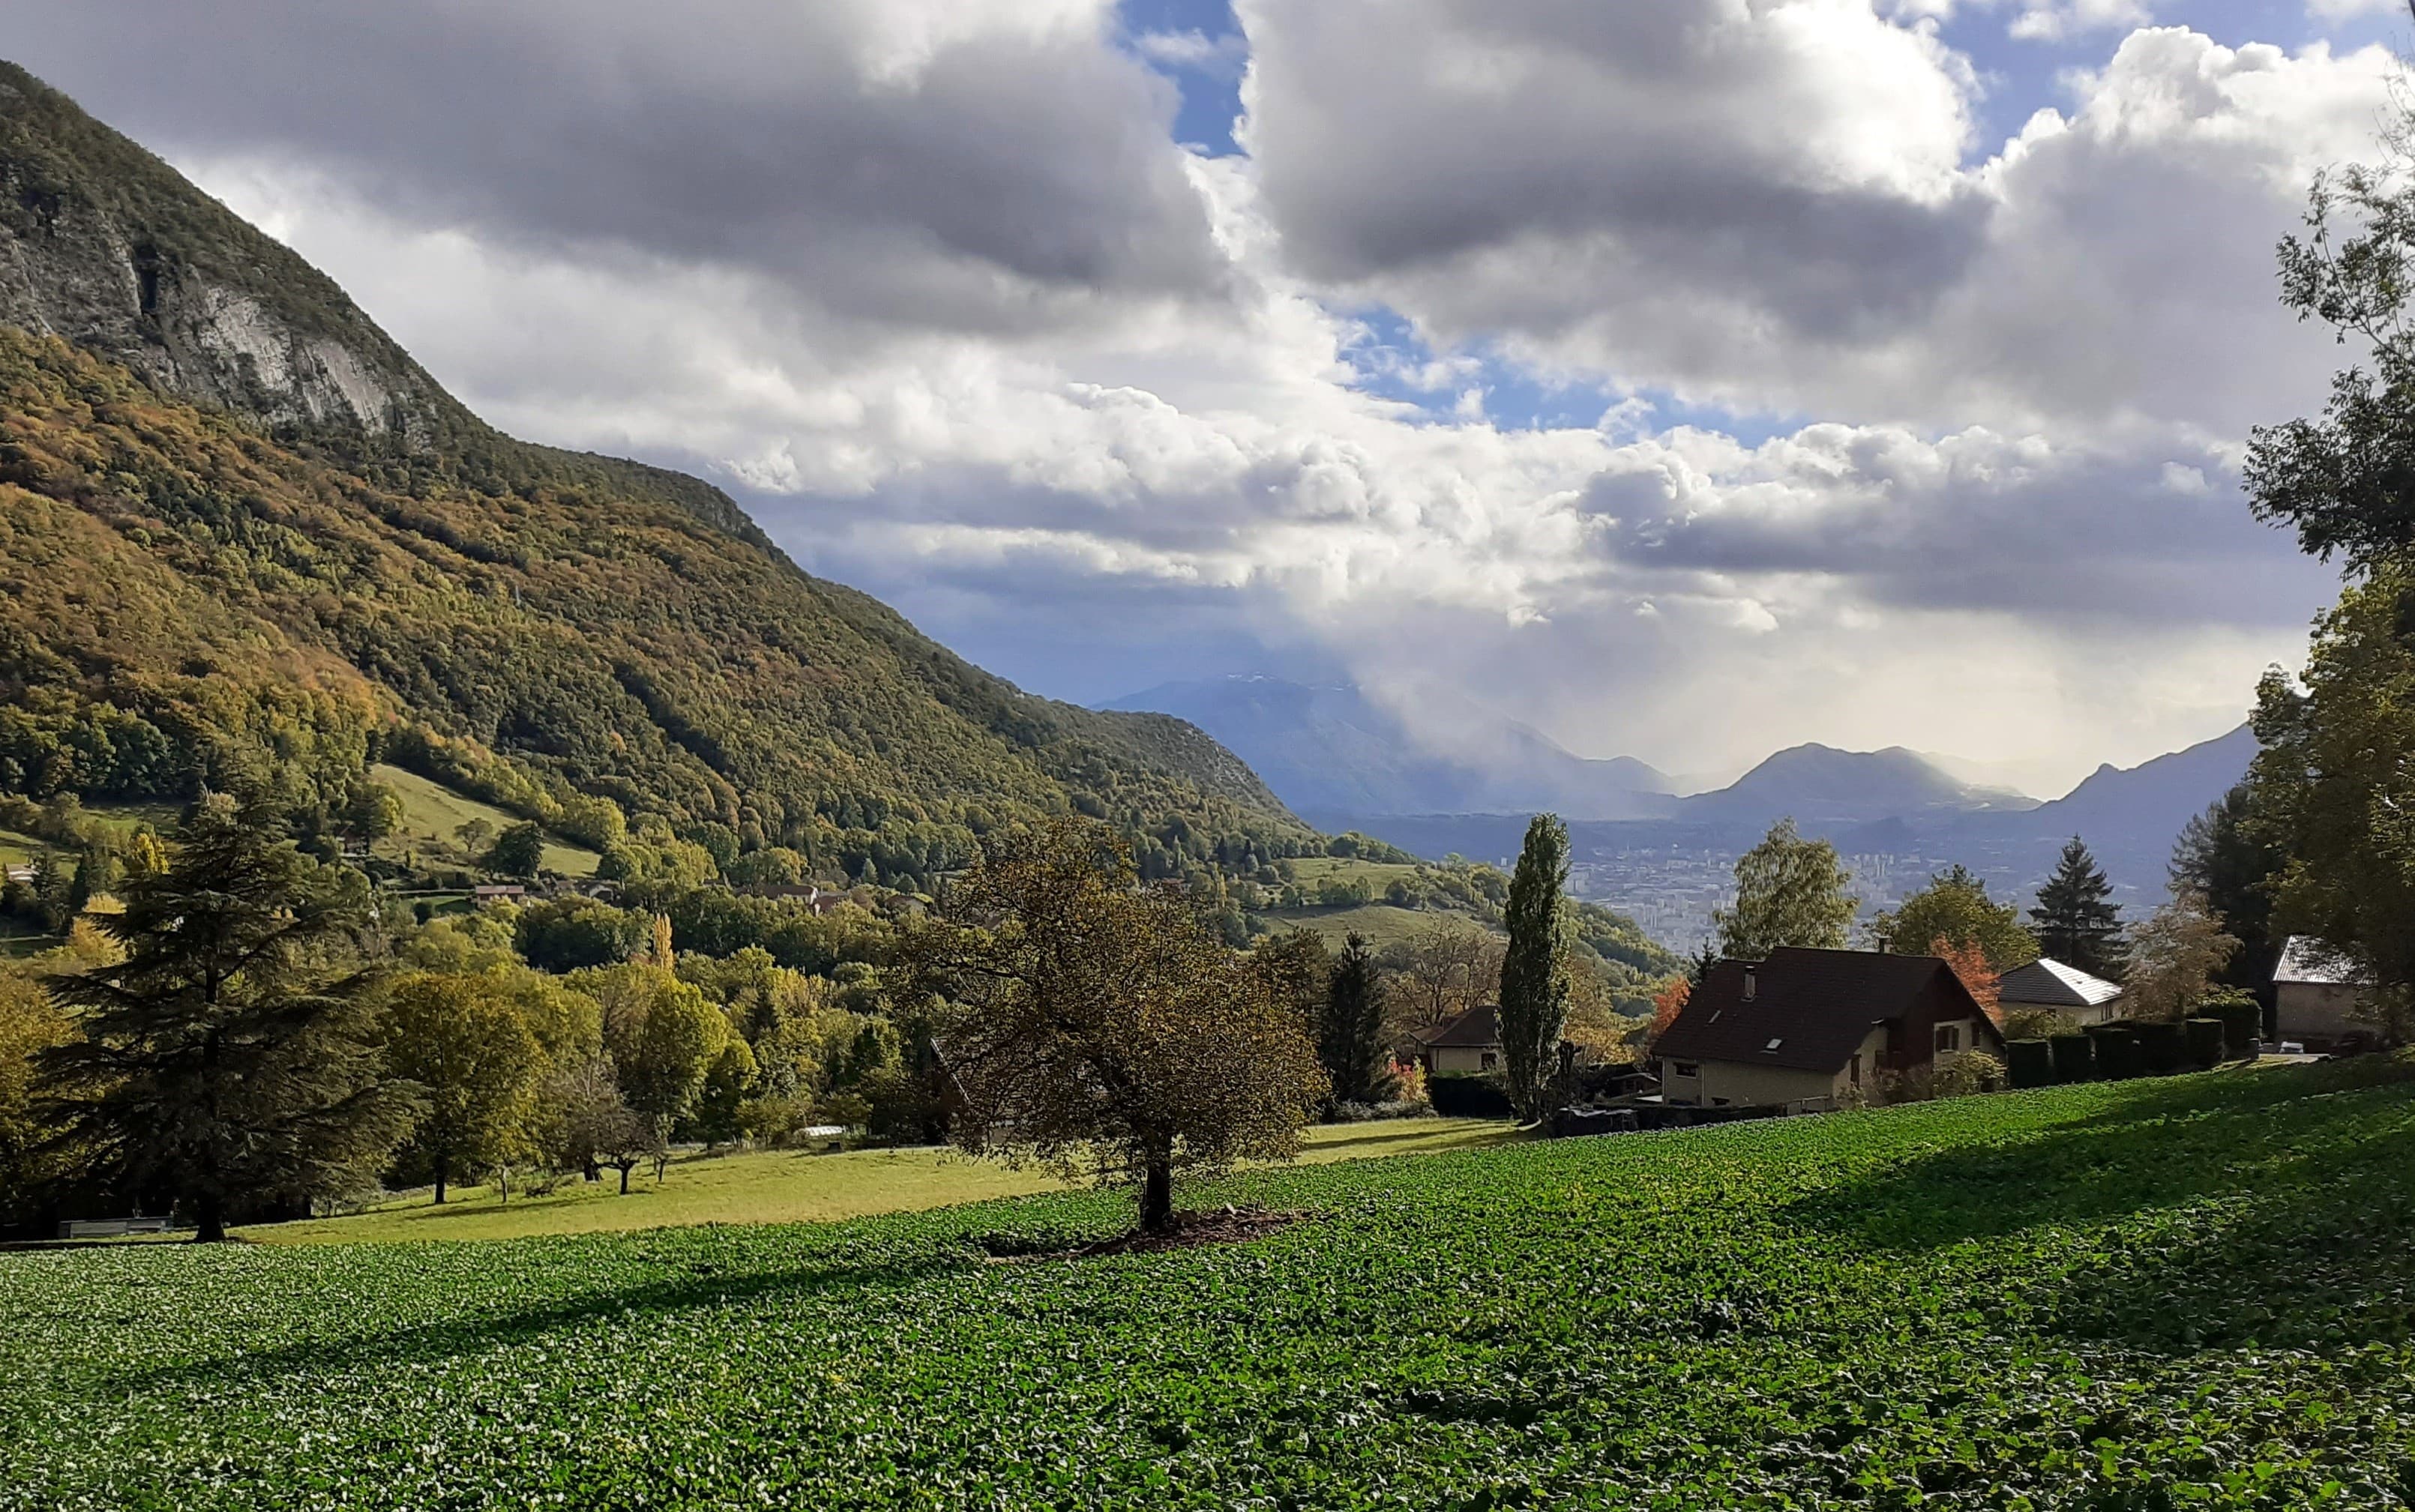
x=1809 y=1027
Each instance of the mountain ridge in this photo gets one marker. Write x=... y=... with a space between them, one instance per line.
x=265 y=531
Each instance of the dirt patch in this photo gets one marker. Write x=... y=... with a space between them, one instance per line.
x=1190 y=1231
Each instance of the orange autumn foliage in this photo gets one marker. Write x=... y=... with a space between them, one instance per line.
x=1970 y=963
x=1668 y=1003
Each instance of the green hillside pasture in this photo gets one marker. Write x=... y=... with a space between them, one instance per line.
x=19 y=849
x=790 y=1187
x=431 y=811
x=1308 y=871
x=1382 y=924
x=2181 y=1293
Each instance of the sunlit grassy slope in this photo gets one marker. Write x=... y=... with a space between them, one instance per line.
x=431 y=811
x=2182 y=1293
x=787 y=1187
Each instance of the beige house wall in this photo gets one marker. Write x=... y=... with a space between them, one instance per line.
x=1742 y=1083
x=2315 y=1011
x=1460 y=1058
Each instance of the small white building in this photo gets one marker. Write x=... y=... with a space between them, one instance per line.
x=2047 y=983
x=2315 y=995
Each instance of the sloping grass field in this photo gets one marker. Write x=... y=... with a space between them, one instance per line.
x=431 y=811
x=2193 y=1293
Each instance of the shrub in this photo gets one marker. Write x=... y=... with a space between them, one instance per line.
x=2205 y=1042
x=1973 y=1071
x=2162 y=1049
x=2074 y=1058
x=2029 y=1063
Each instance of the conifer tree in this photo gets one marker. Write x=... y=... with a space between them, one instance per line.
x=2075 y=920
x=1350 y=1038
x=229 y=1061
x=1534 y=986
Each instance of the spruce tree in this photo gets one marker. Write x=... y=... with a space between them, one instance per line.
x=1350 y=1039
x=1533 y=985
x=2077 y=923
x=228 y=1063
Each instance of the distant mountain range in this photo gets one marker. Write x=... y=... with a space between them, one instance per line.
x=1328 y=748
x=1344 y=762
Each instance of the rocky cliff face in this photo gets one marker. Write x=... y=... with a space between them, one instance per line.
x=102 y=245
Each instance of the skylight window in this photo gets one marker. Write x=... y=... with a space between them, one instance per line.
x=1772 y=1045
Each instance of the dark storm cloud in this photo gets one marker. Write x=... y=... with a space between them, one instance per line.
x=1973 y=523
x=885 y=158
x=1688 y=149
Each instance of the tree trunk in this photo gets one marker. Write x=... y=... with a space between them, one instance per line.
x=209 y=1220
x=625 y=1179
x=1157 y=1195
x=440 y=1172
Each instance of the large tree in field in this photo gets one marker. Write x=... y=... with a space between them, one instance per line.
x=1350 y=1031
x=231 y=1060
x=1534 y=979
x=460 y=1037
x=2077 y=920
x=1955 y=907
x=1102 y=1027
x=1789 y=891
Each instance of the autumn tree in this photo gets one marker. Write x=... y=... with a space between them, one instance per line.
x=2175 y=957
x=31 y=1024
x=1534 y=980
x=1669 y=1002
x=1955 y=907
x=663 y=1037
x=1098 y=1024
x=1447 y=968
x=1297 y=968
x=461 y=1038
x=1789 y=891
x=231 y=1059
x=1969 y=962
x=1350 y=1029
x=2077 y=922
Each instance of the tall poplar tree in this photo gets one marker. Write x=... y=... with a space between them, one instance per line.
x=2075 y=919
x=229 y=1062
x=1533 y=985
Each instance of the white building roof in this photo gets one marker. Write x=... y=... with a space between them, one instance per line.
x=2054 y=984
x=2314 y=963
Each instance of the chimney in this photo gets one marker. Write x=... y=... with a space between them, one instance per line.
x=1751 y=981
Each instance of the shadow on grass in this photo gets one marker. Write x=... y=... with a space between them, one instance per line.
x=2253 y=1205
x=705 y=1285
x=1472 y=1137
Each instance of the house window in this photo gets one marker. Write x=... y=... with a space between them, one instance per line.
x=1686 y=1068
x=1489 y=1060
x=1949 y=1038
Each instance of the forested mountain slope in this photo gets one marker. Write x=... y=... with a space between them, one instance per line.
x=237 y=520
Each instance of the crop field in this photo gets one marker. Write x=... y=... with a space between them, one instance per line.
x=431 y=811
x=792 y=1187
x=2189 y=1293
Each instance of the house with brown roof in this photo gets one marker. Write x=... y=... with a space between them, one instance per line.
x=1469 y=1042
x=2078 y=996
x=1810 y=1027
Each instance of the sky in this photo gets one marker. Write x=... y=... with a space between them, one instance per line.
x=1685 y=380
